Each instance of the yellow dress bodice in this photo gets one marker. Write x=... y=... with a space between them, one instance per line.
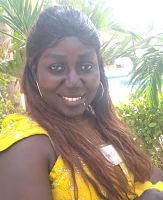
x=16 y=127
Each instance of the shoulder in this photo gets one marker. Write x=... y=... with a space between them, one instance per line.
x=36 y=148
x=17 y=130
x=16 y=127
x=24 y=169
x=26 y=159
x=15 y=122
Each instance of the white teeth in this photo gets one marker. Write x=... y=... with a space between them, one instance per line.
x=72 y=99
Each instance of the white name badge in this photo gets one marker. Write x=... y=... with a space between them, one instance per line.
x=111 y=154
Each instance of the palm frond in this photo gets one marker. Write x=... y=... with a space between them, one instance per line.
x=20 y=15
x=147 y=76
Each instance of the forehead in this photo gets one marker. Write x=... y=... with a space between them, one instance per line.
x=71 y=46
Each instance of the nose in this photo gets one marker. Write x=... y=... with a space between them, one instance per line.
x=73 y=79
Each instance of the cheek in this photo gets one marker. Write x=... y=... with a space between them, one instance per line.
x=94 y=81
x=48 y=81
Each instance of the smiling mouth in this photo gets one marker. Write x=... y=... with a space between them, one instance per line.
x=72 y=99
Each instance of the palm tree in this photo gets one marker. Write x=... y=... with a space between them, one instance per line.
x=19 y=15
x=148 y=72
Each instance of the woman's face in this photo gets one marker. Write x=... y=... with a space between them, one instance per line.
x=68 y=76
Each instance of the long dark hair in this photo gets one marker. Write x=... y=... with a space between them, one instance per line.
x=53 y=24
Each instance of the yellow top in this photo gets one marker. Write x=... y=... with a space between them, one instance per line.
x=16 y=127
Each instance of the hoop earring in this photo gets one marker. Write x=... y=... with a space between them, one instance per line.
x=100 y=91
x=38 y=87
x=90 y=110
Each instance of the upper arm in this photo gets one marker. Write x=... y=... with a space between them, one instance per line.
x=24 y=170
x=157 y=175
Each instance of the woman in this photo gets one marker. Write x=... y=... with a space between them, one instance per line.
x=69 y=144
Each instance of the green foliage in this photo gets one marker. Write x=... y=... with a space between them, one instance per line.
x=147 y=123
x=19 y=16
x=148 y=73
x=120 y=43
x=14 y=66
x=9 y=103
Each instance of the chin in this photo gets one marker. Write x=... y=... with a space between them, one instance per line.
x=73 y=114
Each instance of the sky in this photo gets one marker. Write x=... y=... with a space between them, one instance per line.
x=145 y=15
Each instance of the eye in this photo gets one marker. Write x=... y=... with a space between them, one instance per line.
x=56 y=68
x=86 y=67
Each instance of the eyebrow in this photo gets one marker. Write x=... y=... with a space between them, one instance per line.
x=60 y=57
x=55 y=56
x=86 y=55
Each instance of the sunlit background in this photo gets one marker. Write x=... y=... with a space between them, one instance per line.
x=145 y=16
